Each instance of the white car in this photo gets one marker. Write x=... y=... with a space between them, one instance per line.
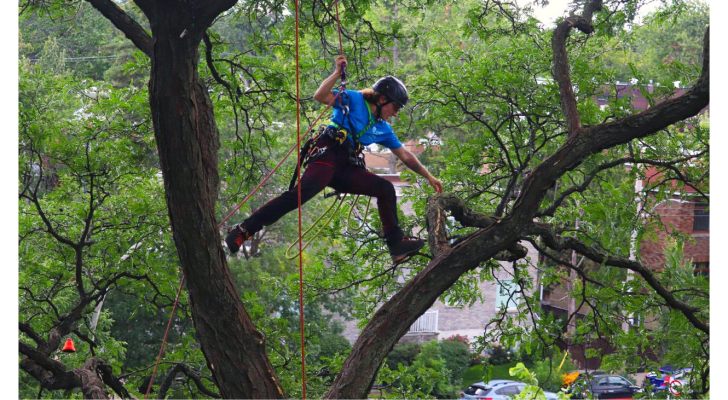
x=497 y=389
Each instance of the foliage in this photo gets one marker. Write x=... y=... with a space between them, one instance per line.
x=486 y=372
x=332 y=345
x=550 y=372
x=83 y=33
x=404 y=354
x=664 y=48
x=427 y=376
x=456 y=356
x=92 y=222
x=532 y=390
x=479 y=78
x=501 y=354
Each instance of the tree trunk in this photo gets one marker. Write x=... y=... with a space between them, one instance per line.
x=188 y=142
x=92 y=386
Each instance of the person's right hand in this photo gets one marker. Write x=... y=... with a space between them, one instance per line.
x=340 y=59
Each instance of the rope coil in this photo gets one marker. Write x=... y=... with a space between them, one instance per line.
x=336 y=205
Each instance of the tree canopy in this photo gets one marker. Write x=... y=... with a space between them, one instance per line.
x=128 y=163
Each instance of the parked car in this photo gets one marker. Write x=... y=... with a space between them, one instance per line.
x=497 y=389
x=606 y=386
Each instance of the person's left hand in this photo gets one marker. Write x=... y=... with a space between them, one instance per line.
x=435 y=183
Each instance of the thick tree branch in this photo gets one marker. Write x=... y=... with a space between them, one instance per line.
x=113 y=382
x=437 y=225
x=28 y=330
x=42 y=360
x=605 y=136
x=92 y=386
x=123 y=22
x=558 y=242
x=48 y=380
x=182 y=368
x=437 y=219
x=561 y=62
x=588 y=179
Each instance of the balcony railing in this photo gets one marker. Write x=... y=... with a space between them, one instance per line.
x=427 y=322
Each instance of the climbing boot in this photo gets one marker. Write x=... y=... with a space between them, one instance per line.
x=237 y=235
x=405 y=247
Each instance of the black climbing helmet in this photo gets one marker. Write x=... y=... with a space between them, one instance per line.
x=393 y=88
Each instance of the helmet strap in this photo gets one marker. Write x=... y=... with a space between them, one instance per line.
x=378 y=111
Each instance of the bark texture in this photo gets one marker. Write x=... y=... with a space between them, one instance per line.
x=187 y=141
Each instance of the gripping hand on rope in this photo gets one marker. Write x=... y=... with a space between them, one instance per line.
x=324 y=93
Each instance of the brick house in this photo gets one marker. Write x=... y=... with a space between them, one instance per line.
x=690 y=217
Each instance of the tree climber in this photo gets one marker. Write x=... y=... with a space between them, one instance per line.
x=334 y=158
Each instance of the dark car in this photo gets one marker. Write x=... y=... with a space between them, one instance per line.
x=604 y=387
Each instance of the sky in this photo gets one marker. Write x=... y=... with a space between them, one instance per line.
x=557 y=8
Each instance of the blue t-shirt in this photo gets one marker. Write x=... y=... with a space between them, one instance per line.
x=360 y=118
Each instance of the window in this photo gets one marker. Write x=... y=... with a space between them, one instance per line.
x=509 y=390
x=701 y=268
x=507 y=293
x=618 y=381
x=701 y=218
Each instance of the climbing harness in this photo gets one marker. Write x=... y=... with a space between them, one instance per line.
x=313 y=150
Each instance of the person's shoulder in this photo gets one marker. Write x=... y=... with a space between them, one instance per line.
x=354 y=95
x=350 y=97
x=383 y=126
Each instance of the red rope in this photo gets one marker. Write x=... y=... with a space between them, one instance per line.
x=169 y=324
x=300 y=229
x=338 y=23
x=228 y=217
x=298 y=172
x=279 y=164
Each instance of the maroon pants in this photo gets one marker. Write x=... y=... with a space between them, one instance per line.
x=333 y=169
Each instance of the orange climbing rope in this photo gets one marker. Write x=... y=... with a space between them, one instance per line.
x=300 y=229
x=298 y=172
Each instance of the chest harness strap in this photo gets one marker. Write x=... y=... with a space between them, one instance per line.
x=310 y=151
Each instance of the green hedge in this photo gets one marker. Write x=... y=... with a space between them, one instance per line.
x=403 y=354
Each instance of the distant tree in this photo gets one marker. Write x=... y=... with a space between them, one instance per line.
x=665 y=48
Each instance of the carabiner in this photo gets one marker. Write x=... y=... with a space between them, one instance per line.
x=340 y=138
x=343 y=74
